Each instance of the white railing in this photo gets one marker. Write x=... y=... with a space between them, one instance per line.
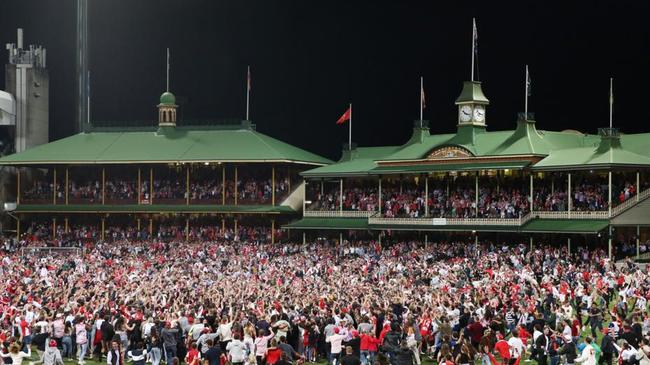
x=338 y=213
x=630 y=202
x=447 y=221
x=571 y=215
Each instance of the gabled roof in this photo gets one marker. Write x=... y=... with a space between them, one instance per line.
x=353 y=163
x=623 y=151
x=166 y=145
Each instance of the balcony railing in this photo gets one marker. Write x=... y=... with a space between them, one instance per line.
x=572 y=215
x=338 y=213
x=643 y=195
x=510 y=222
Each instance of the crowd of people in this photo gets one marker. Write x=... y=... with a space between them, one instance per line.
x=41 y=234
x=411 y=202
x=249 y=191
x=398 y=302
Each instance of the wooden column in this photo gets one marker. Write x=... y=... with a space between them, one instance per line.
x=569 y=197
x=139 y=188
x=476 y=193
x=223 y=225
x=54 y=188
x=531 y=193
x=273 y=185
x=609 y=242
x=289 y=179
x=235 y=227
x=103 y=185
x=638 y=187
x=272 y=231
x=341 y=196
x=379 y=197
x=236 y=187
x=568 y=243
x=638 y=234
x=187 y=230
x=18 y=229
x=53 y=227
x=67 y=188
x=609 y=195
x=426 y=195
x=103 y=234
x=139 y=225
x=187 y=185
x=151 y=185
x=223 y=185
x=150 y=227
x=67 y=225
x=17 y=185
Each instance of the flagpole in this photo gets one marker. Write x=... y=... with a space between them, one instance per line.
x=473 y=44
x=248 y=90
x=421 y=95
x=350 y=130
x=167 y=68
x=611 y=100
x=526 y=95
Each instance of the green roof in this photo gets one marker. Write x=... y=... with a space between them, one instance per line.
x=472 y=92
x=565 y=226
x=155 y=208
x=328 y=223
x=624 y=151
x=360 y=161
x=451 y=167
x=168 y=145
x=167 y=98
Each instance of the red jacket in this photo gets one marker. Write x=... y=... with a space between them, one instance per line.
x=369 y=343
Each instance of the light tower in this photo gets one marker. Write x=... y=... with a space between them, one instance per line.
x=27 y=79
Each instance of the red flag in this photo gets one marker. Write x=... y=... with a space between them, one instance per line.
x=345 y=117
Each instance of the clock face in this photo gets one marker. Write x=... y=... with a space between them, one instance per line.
x=465 y=113
x=479 y=113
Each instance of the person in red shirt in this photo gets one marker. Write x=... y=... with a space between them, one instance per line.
x=369 y=346
x=273 y=353
x=192 y=357
x=503 y=349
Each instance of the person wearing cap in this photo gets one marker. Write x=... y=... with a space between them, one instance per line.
x=607 y=347
x=169 y=337
x=335 y=342
x=51 y=356
x=568 y=350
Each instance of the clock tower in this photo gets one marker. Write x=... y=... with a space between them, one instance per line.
x=471 y=105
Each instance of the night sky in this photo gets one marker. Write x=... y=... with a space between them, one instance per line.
x=309 y=59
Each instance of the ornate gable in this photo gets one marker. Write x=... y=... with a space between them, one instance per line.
x=449 y=152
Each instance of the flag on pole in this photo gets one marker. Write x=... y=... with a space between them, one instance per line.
x=474 y=49
x=529 y=83
x=475 y=37
x=423 y=100
x=345 y=117
x=248 y=79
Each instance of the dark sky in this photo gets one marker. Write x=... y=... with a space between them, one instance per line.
x=310 y=58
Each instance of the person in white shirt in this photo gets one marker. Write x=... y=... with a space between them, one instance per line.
x=516 y=346
x=588 y=354
x=236 y=351
x=335 y=340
